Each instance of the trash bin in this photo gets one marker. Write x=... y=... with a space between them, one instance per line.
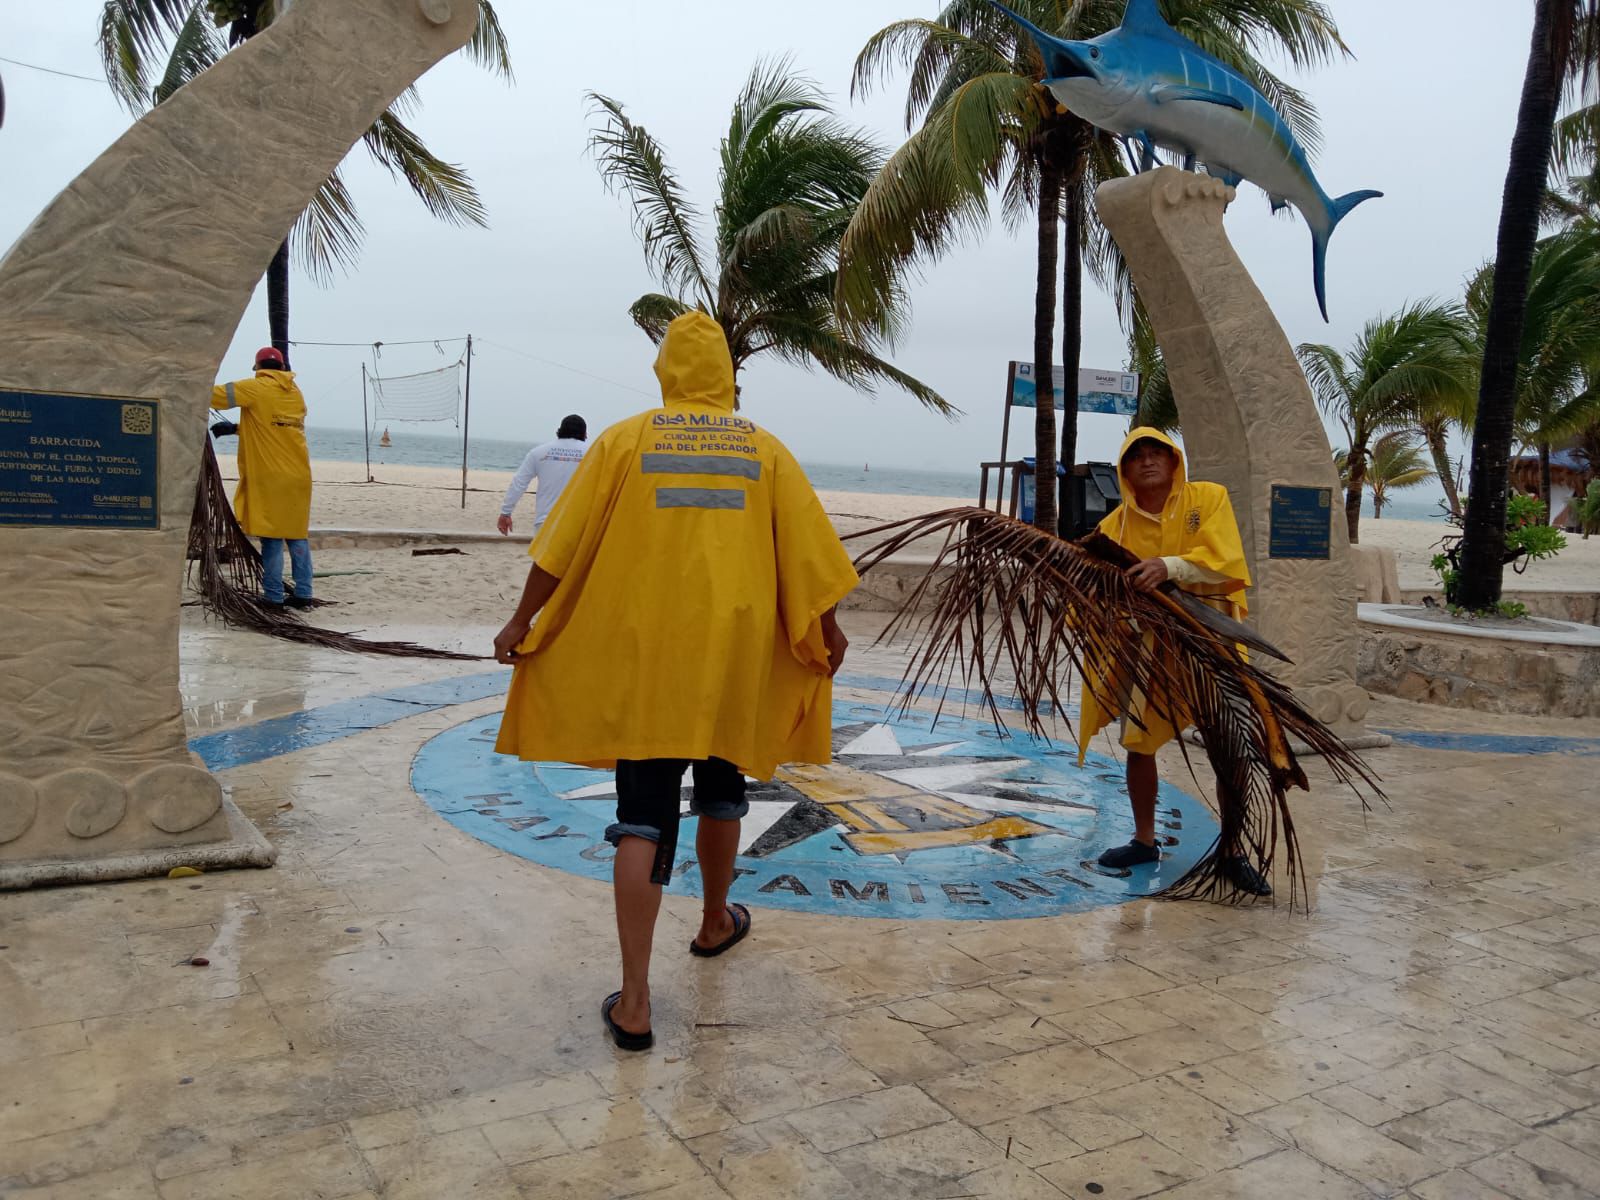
x=1091 y=493
x=1025 y=496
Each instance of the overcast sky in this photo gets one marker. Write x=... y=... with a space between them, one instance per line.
x=1424 y=112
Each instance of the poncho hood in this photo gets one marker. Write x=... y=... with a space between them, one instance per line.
x=1139 y=434
x=694 y=365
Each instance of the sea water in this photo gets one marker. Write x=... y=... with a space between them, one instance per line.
x=412 y=449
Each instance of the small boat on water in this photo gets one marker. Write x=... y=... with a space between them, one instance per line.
x=384 y=440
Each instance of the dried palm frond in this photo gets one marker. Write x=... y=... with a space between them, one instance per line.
x=225 y=567
x=1004 y=595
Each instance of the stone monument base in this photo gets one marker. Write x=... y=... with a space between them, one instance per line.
x=243 y=846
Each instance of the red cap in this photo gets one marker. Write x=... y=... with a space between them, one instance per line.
x=269 y=357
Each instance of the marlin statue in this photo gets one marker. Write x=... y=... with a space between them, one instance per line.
x=1145 y=81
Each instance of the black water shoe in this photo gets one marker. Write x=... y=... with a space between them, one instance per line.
x=1133 y=854
x=1240 y=873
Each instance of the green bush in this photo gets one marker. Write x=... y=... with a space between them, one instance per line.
x=1587 y=509
x=1528 y=539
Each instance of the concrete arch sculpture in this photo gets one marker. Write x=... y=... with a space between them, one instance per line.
x=1249 y=422
x=131 y=283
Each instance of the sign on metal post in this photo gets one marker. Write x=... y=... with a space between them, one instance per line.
x=1112 y=392
x=75 y=460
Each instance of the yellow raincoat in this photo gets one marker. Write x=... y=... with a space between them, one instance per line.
x=273 y=499
x=694 y=563
x=1197 y=526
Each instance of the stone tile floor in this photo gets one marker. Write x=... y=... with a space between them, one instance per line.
x=398 y=1010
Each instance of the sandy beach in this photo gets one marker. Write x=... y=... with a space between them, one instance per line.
x=481 y=585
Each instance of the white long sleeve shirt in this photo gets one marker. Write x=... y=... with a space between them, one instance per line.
x=552 y=463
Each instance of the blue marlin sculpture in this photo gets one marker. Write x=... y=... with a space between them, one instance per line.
x=1146 y=82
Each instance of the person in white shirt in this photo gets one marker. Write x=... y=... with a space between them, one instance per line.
x=553 y=463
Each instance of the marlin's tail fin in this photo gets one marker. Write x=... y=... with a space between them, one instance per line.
x=1338 y=210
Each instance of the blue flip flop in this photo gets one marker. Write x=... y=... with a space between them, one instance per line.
x=619 y=1035
x=741 y=926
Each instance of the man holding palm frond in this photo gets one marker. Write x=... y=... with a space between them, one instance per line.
x=1183 y=531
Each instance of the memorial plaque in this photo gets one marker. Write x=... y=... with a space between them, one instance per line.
x=1302 y=522
x=88 y=461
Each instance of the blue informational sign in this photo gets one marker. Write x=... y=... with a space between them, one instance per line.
x=955 y=822
x=1301 y=522
x=72 y=460
x=1112 y=392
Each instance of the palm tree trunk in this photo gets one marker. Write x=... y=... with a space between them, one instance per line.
x=1483 y=541
x=1044 y=329
x=278 y=300
x=1071 y=330
x=1544 y=483
x=1353 y=490
x=1441 y=467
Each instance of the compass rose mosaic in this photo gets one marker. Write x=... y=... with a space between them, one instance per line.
x=957 y=822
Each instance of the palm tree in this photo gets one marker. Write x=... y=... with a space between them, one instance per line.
x=1433 y=420
x=1396 y=463
x=151 y=48
x=979 y=120
x=1558 y=360
x=791 y=178
x=1158 y=407
x=1400 y=363
x=1566 y=34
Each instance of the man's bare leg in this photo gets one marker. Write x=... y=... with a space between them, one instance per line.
x=1143 y=783
x=716 y=844
x=638 y=903
x=1142 y=786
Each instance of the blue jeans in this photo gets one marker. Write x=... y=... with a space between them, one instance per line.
x=272 y=568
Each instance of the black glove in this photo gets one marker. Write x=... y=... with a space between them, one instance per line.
x=224 y=429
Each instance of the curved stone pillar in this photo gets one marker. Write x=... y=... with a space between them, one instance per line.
x=131 y=284
x=1249 y=422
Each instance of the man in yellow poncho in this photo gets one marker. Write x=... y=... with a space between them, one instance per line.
x=1185 y=532
x=273 y=499
x=687 y=580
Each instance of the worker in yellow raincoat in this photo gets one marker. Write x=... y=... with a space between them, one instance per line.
x=273 y=499
x=687 y=579
x=1183 y=531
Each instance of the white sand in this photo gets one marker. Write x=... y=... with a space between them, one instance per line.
x=394 y=587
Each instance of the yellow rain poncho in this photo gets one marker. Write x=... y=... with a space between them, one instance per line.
x=1196 y=533
x=273 y=499
x=694 y=563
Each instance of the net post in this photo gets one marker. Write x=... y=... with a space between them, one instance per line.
x=366 y=437
x=466 y=423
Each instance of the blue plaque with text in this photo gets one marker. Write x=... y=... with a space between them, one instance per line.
x=87 y=461
x=1301 y=522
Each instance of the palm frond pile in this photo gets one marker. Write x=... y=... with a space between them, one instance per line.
x=225 y=568
x=1006 y=599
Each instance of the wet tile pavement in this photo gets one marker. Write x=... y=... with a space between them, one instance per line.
x=400 y=1010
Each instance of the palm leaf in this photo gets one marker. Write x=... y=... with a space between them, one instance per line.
x=196 y=48
x=654 y=312
x=132 y=33
x=445 y=189
x=329 y=233
x=806 y=341
x=489 y=47
x=1006 y=607
x=632 y=161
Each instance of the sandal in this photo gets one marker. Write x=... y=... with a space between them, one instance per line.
x=619 y=1035
x=741 y=926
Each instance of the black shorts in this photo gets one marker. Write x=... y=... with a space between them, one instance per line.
x=650 y=796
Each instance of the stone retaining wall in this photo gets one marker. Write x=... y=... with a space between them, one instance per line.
x=1480 y=673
